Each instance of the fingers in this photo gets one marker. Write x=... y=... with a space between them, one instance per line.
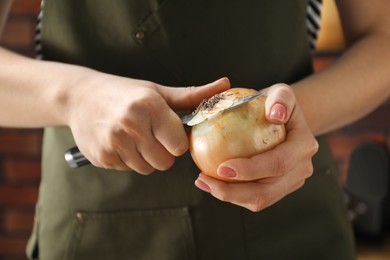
x=254 y=196
x=190 y=97
x=145 y=155
x=165 y=137
x=295 y=152
x=137 y=150
x=167 y=127
x=141 y=131
x=280 y=103
x=107 y=160
x=263 y=183
x=169 y=131
x=152 y=139
x=145 y=136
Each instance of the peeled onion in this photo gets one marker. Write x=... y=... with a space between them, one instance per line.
x=238 y=133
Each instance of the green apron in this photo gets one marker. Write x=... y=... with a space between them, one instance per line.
x=91 y=213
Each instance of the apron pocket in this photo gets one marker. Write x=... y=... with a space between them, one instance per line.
x=136 y=234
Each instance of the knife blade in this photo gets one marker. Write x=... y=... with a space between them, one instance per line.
x=196 y=118
x=76 y=159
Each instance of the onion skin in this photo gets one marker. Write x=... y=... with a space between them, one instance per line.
x=239 y=133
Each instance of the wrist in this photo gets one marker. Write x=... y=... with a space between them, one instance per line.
x=66 y=90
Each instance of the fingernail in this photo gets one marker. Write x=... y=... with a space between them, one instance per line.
x=226 y=172
x=278 y=113
x=203 y=186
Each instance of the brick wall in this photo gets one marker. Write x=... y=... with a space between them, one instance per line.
x=20 y=149
x=375 y=127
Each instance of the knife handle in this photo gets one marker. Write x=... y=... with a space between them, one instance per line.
x=75 y=158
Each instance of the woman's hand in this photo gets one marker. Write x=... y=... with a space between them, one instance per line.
x=274 y=174
x=127 y=124
x=117 y=122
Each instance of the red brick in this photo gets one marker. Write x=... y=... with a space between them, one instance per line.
x=342 y=145
x=17 y=221
x=21 y=170
x=14 y=141
x=377 y=121
x=18 y=196
x=26 y=7
x=19 y=149
x=19 y=33
x=321 y=62
x=12 y=247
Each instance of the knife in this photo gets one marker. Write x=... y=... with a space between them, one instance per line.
x=76 y=159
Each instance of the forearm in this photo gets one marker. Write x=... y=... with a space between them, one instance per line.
x=350 y=88
x=33 y=93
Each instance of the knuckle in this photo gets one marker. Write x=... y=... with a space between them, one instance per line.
x=224 y=196
x=246 y=171
x=308 y=171
x=126 y=122
x=106 y=159
x=181 y=147
x=147 y=101
x=115 y=136
x=166 y=164
x=257 y=204
x=145 y=170
x=282 y=165
x=141 y=167
x=314 y=146
x=299 y=185
x=129 y=129
x=284 y=91
x=190 y=89
x=138 y=106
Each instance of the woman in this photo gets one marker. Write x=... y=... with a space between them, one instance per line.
x=102 y=87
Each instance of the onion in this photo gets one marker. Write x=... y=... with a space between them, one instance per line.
x=238 y=133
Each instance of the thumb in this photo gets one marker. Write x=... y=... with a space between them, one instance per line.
x=190 y=97
x=280 y=103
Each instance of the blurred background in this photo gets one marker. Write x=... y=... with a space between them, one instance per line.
x=20 y=148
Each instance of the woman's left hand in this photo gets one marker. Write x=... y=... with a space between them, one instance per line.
x=271 y=175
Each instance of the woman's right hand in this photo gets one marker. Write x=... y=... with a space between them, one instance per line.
x=117 y=122
x=128 y=124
